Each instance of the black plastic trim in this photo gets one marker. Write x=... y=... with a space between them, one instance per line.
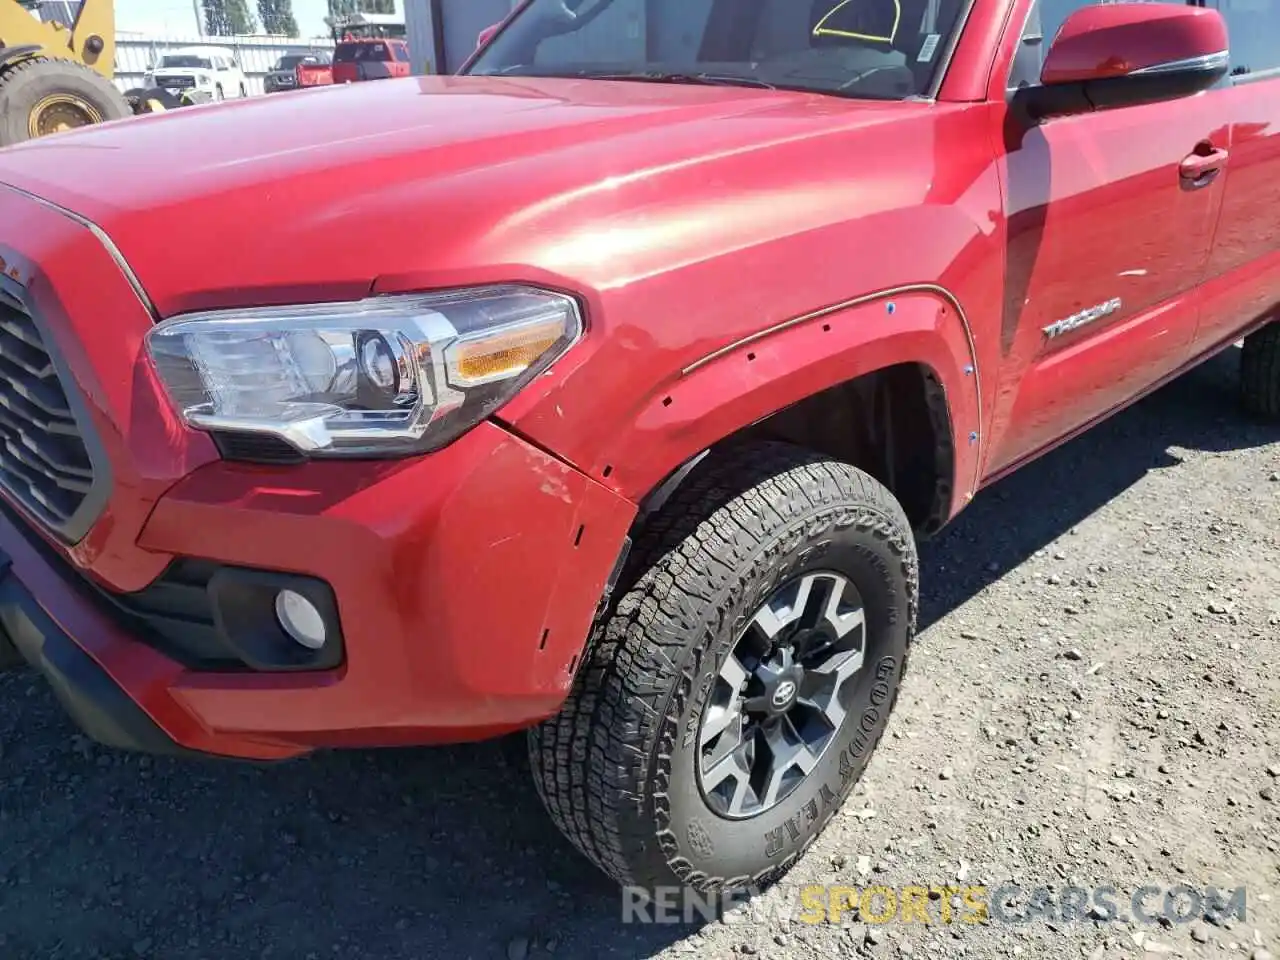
x=95 y=702
x=243 y=602
x=176 y=614
x=261 y=448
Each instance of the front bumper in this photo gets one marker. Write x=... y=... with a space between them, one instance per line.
x=97 y=704
x=466 y=584
x=465 y=581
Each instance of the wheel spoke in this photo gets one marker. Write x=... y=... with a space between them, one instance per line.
x=790 y=753
x=733 y=672
x=840 y=665
x=833 y=672
x=722 y=719
x=733 y=769
x=842 y=623
x=784 y=608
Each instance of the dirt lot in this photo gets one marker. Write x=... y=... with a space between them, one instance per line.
x=1095 y=699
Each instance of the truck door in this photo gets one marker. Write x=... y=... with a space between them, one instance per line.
x=1107 y=243
x=1244 y=266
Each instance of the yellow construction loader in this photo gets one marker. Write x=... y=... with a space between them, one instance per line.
x=56 y=75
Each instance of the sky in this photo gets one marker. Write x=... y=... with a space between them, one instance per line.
x=178 y=16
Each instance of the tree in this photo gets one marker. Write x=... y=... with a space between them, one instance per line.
x=240 y=18
x=338 y=9
x=277 y=17
x=226 y=18
x=215 y=18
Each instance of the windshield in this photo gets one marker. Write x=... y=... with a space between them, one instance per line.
x=292 y=61
x=878 y=49
x=60 y=11
x=353 y=52
x=182 y=60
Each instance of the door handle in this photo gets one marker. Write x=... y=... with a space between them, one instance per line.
x=1200 y=168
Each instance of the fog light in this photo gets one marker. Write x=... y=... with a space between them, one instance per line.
x=300 y=619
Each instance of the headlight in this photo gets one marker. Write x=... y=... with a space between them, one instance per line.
x=389 y=375
x=204 y=81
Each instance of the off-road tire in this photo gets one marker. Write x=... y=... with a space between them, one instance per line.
x=1260 y=372
x=25 y=83
x=614 y=767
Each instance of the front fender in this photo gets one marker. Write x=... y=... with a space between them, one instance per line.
x=743 y=383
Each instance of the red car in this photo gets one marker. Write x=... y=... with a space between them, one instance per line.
x=299 y=70
x=605 y=389
x=370 y=59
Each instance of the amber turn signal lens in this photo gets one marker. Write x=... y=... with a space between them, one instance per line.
x=504 y=354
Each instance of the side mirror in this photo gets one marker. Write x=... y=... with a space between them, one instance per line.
x=1122 y=54
x=487 y=34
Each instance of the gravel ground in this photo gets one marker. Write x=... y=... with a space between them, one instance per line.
x=1093 y=700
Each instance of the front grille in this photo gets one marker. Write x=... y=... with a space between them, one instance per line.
x=44 y=463
x=181 y=83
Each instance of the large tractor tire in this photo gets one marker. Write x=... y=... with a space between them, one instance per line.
x=40 y=96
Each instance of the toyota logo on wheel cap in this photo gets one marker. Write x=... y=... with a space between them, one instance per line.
x=782 y=696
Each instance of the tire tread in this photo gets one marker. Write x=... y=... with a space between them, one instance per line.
x=1260 y=371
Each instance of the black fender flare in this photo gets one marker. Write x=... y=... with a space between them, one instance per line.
x=10 y=55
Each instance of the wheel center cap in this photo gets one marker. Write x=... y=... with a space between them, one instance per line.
x=783 y=695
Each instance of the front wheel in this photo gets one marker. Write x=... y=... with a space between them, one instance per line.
x=733 y=695
x=218 y=95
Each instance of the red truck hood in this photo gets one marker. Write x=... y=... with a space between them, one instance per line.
x=320 y=193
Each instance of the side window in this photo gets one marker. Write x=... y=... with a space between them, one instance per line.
x=1253 y=27
x=1044 y=22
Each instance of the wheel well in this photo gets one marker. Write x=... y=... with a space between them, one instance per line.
x=893 y=423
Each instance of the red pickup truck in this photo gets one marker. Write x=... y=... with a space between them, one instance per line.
x=368 y=58
x=605 y=389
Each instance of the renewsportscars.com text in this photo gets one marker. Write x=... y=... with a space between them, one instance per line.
x=942 y=905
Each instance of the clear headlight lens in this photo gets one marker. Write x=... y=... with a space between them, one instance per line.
x=389 y=375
